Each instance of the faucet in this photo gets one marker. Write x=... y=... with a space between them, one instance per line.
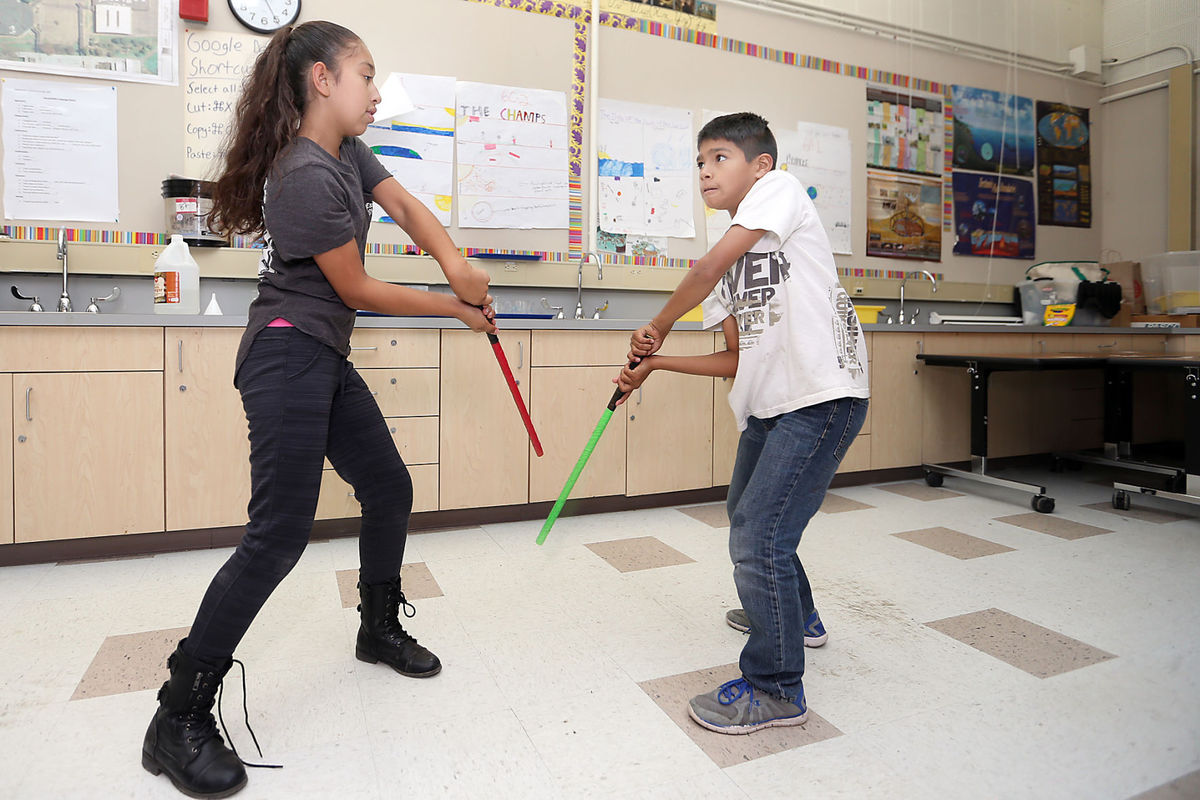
x=64 y=302
x=915 y=273
x=579 y=285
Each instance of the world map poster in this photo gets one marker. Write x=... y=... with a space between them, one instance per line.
x=1064 y=172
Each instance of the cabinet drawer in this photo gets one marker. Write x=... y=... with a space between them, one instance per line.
x=81 y=349
x=858 y=457
x=392 y=347
x=337 y=499
x=579 y=348
x=404 y=392
x=416 y=438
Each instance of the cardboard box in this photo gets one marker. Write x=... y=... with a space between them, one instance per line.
x=1129 y=275
x=1166 y=320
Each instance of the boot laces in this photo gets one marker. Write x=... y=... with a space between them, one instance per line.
x=391 y=617
x=246 y=715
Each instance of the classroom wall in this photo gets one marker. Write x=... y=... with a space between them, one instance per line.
x=482 y=43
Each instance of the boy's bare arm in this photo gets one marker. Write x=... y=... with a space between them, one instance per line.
x=694 y=287
x=718 y=365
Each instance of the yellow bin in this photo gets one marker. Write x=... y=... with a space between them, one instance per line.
x=868 y=314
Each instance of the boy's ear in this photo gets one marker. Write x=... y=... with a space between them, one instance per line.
x=763 y=163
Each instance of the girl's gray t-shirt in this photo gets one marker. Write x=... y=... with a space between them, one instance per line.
x=312 y=203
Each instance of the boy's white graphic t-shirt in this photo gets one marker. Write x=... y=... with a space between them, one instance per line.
x=799 y=339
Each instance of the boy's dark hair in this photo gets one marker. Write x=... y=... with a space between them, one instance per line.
x=747 y=130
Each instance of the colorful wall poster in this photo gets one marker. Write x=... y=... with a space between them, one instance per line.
x=631 y=244
x=993 y=131
x=698 y=15
x=417 y=147
x=904 y=215
x=647 y=169
x=905 y=132
x=124 y=40
x=993 y=216
x=1064 y=172
x=512 y=146
x=819 y=155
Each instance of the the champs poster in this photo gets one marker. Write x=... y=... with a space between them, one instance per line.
x=904 y=215
x=1064 y=173
x=993 y=131
x=993 y=216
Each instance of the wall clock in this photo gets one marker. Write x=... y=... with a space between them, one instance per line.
x=265 y=16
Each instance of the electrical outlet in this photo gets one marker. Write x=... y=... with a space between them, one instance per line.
x=858 y=290
x=510 y=267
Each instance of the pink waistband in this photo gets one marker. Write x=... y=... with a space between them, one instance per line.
x=280 y=322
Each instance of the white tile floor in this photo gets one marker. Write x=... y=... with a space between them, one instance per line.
x=545 y=648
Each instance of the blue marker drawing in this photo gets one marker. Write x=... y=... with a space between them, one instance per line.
x=395 y=151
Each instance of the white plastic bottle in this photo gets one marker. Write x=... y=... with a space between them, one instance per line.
x=176 y=280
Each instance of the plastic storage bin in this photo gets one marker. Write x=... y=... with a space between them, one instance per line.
x=1171 y=282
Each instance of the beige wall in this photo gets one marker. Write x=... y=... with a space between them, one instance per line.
x=482 y=43
x=1133 y=154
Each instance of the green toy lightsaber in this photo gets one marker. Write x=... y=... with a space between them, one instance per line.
x=583 y=459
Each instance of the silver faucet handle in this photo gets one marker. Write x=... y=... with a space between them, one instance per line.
x=95 y=309
x=916 y=313
x=64 y=302
x=549 y=307
x=34 y=306
x=596 y=313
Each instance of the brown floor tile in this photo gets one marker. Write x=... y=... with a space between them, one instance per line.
x=919 y=491
x=130 y=662
x=1053 y=525
x=953 y=543
x=415 y=579
x=836 y=504
x=1185 y=788
x=672 y=694
x=631 y=555
x=712 y=514
x=1039 y=651
x=1156 y=515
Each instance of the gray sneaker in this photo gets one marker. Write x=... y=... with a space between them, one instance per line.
x=737 y=707
x=815 y=634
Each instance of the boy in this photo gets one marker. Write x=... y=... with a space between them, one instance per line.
x=800 y=393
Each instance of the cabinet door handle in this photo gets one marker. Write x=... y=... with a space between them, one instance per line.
x=520 y=354
x=28 y=416
x=365 y=348
x=181 y=355
x=374 y=394
x=639 y=400
x=1105 y=346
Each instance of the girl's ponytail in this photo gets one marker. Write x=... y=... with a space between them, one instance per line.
x=267 y=118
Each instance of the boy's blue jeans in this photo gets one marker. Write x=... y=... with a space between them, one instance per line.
x=783 y=467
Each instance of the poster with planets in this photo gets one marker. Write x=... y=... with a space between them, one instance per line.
x=993 y=131
x=993 y=216
x=1064 y=168
x=819 y=155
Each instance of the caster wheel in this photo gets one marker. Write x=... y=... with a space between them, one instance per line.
x=1120 y=499
x=1042 y=504
x=934 y=478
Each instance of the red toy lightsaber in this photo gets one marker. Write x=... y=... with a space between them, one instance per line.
x=512 y=387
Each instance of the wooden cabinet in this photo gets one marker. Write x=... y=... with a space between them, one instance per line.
x=669 y=439
x=896 y=388
x=484 y=451
x=86 y=411
x=858 y=457
x=88 y=455
x=567 y=402
x=6 y=464
x=207 y=438
x=400 y=367
x=725 y=432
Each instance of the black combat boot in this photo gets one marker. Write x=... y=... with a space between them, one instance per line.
x=183 y=740
x=381 y=637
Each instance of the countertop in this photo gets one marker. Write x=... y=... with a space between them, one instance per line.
x=54 y=318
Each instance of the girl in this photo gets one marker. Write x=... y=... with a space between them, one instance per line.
x=296 y=172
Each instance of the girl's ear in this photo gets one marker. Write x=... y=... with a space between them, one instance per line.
x=321 y=78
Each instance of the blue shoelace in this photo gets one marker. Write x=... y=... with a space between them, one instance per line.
x=731 y=691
